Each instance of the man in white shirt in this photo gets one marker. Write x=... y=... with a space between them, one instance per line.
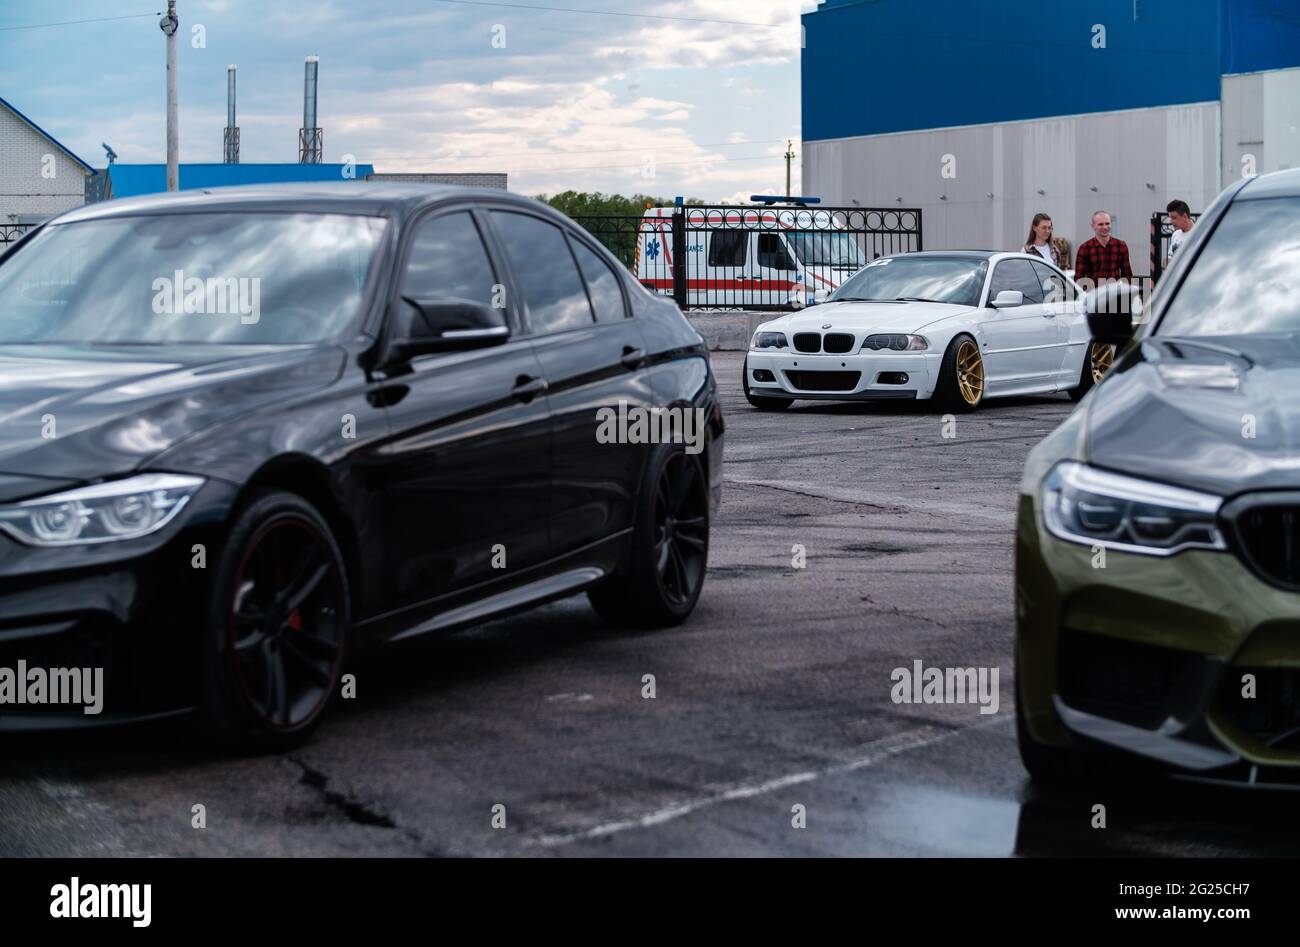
x=1180 y=218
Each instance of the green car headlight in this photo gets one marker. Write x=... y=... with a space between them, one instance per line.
x=1082 y=504
x=105 y=512
x=768 y=340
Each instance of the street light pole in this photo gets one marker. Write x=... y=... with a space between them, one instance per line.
x=169 y=25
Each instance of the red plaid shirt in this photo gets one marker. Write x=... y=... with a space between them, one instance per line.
x=1097 y=263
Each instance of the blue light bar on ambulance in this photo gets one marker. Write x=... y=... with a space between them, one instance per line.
x=769 y=200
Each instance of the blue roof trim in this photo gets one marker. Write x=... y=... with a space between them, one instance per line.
x=43 y=133
x=132 y=180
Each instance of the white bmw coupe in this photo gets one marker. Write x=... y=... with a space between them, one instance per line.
x=957 y=326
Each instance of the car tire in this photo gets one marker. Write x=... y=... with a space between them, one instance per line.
x=272 y=665
x=1096 y=362
x=760 y=402
x=669 y=545
x=961 y=376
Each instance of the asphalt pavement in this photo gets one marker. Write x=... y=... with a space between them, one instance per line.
x=853 y=540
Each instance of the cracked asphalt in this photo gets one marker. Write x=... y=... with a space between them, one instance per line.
x=775 y=695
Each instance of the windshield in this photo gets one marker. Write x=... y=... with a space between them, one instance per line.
x=241 y=278
x=932 y=279
x=826 y=249
x=1247 y=277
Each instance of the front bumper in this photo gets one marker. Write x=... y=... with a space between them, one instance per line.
x=131 y=611
x=1157 y=657
x=849 y=377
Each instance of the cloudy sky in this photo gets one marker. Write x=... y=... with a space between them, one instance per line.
x=691 y=97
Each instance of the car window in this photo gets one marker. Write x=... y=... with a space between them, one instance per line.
x=602 y=284
x=1246 y=279
x=1055 y=287
x=1016 y=274
x=545 y=272
x=449 y=261
x=727 y=247
x=219 y=278
x=772 y=252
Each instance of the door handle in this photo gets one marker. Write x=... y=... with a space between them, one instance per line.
x=632 y=357
x=527 y=387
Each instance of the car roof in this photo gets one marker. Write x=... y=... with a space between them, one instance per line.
x=344 y=197
x=1277 y=184
x=954 y=254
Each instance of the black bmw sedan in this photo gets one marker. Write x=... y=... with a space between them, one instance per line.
x=246 y=432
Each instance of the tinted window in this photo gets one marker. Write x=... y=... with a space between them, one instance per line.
x=255 y=279
x=772 y=252
x=449 y=261
x=545 y=272
x=1016 y=274
x=727 y=247
x=1247 y=276
x=1055 y=287
x=602 y=283
x=938 y=279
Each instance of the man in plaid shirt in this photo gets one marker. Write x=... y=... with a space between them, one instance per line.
x=1103 y=258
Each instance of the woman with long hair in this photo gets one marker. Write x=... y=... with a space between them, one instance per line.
x=1040 y=240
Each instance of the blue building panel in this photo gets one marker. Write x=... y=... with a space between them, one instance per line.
x=1259 y=35
x=131 y=180
x=879 y=66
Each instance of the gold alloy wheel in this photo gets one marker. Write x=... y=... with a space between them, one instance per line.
x=970 y=372
x=1101 y=357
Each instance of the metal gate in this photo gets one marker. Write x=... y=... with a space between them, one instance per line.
x=756 y=257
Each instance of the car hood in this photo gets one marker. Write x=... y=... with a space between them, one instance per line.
x=74 y=413
x=1201 y=419
x=867 y=316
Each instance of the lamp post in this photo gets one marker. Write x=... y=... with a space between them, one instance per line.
x=169 y=25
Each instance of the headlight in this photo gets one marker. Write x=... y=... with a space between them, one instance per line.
x=120 y=509
x=899 y=343
x=768 y=340
x=1084 y=505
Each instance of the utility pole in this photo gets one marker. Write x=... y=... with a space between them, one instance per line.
x=169 y=25
x=789 y=156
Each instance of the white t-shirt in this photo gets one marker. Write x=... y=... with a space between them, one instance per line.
x=1175 y=242
x=1045 y=251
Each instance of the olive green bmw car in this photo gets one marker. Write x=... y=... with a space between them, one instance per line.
x=1158 y=534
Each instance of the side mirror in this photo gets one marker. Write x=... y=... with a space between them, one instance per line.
x=1008 y=299
x=821 y=295
x=1110 y=310
x=447 y=325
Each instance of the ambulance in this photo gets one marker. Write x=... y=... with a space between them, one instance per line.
x=744 y=257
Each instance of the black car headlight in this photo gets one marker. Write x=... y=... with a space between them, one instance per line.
x=768 y=340
x=896 y=342
x=1082 y=504
x=105 y=512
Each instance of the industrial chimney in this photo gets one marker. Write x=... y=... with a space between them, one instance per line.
x=230 y=139
x=311 y=146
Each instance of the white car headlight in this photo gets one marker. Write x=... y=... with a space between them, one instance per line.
x=1095 y=507
x=105 y=512
x=895 y=341
x=768 y=340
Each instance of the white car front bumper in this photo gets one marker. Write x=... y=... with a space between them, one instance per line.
x=855 y=377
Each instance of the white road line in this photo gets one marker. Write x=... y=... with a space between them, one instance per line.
x=877 y=751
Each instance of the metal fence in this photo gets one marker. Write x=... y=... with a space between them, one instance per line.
x=753 y=257
x=1161 y=234
x=12 y=233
